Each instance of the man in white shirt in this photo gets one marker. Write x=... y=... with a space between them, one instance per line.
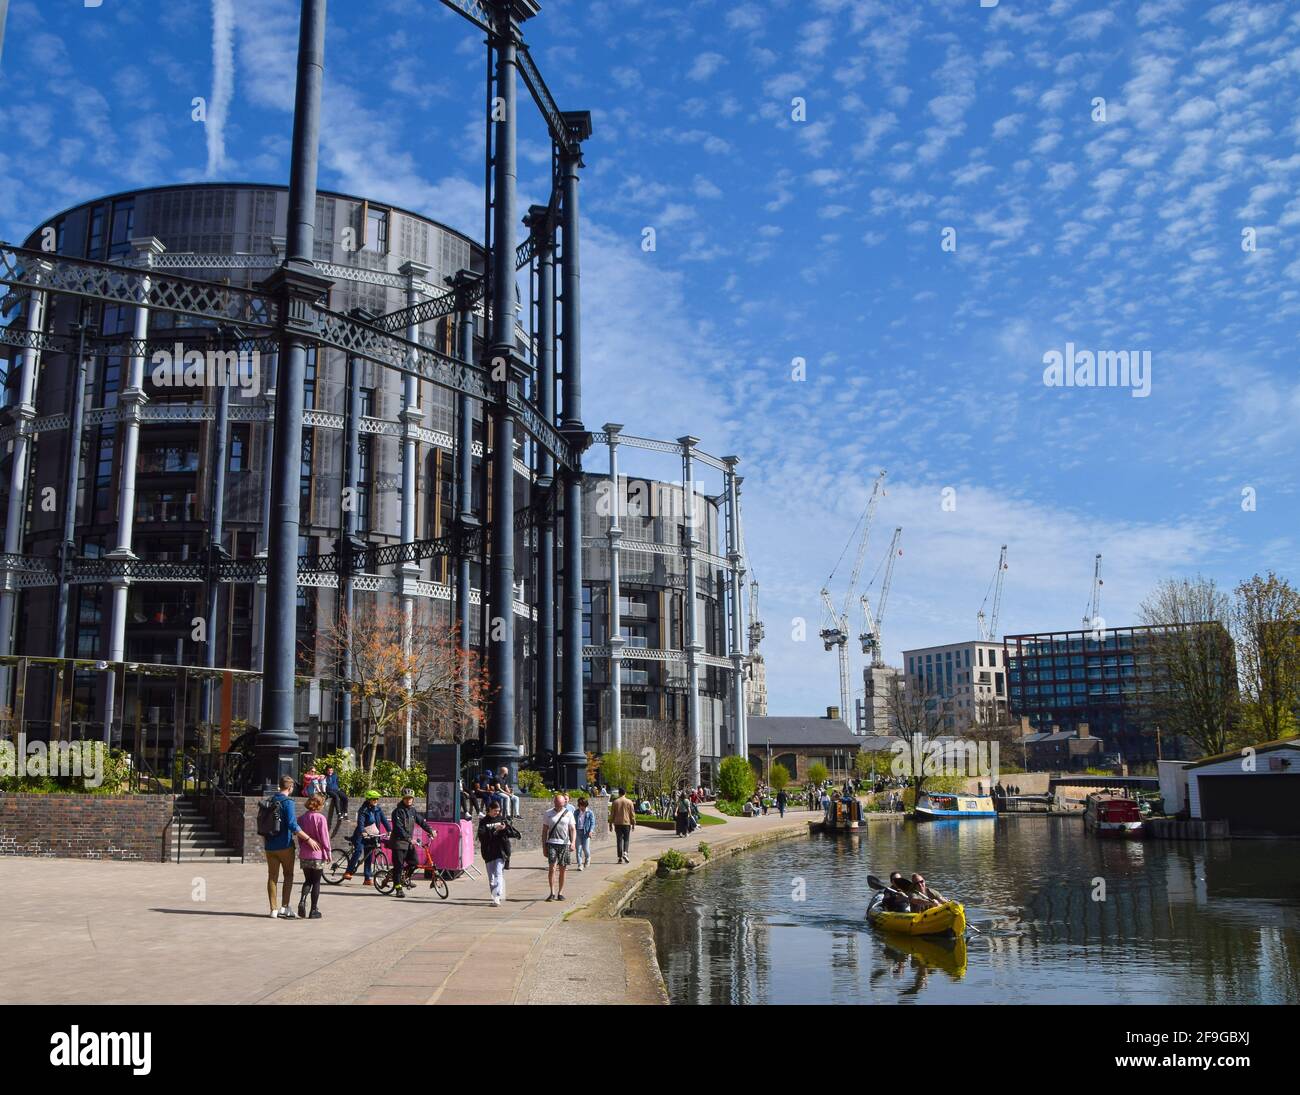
x=558 y=836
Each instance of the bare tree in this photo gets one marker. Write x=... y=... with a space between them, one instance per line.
x=1194 y=676
x=1266 y=623
x=393 y=678
x=919 y=715
x=664 y=754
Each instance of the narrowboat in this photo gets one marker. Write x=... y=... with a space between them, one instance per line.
x=844 y=815
x=1117 y=817
x=931 y=805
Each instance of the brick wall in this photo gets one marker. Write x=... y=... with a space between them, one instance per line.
x=87 y=826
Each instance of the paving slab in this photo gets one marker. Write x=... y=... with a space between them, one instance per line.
x=114 y=932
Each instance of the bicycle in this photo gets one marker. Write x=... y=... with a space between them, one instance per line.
x=384 y=879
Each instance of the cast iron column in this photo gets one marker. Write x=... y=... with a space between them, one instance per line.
x=737 y=651
x=464 y=283
x=543 y=227
x=131 y=400
x=76 y=429
x=409 y=572
x=615 y=593
x=16 y=510
x=692 y=612
x=351 y=484
x=501 y=748
x=299 y=288
x=216 y=533
x=573 y=758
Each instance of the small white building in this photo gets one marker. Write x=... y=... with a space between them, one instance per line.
x=1173 y=785
x=1256 y=790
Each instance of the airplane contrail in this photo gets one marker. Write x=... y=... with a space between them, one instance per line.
x=223 y=81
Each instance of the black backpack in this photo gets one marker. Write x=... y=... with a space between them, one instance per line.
x=270 y=818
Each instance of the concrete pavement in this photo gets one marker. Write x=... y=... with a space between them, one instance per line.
x=112 y=932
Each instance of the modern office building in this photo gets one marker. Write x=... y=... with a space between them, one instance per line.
x=878 y=683
x=1061 y=680
x=968 y=678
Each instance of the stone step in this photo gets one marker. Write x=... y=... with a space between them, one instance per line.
x=189 y=854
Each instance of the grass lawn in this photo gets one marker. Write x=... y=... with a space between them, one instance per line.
x=649 y=821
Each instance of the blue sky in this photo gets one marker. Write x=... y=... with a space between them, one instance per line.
x=822 y=239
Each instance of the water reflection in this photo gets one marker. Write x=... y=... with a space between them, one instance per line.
x=1064 y=918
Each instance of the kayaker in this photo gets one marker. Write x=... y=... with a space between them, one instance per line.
x=895 y=900
x=923 y=897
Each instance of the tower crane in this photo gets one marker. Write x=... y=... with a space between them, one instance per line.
x=835 y=624
x=988 y=629
x=1094 y=607
x=870 y=637
x=756 y=631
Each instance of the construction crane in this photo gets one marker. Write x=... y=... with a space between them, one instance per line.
x=1094 y=607
x=987 y=629
x=870 y=637
x=756 y=631
x=835 y=625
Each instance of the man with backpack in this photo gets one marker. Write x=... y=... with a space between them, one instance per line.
x=277 y=822
x=405 y=818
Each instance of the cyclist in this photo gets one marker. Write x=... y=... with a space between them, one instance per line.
x=405 y=818
x=362 y=845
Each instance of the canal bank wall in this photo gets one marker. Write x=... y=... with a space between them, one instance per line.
x=627 y=942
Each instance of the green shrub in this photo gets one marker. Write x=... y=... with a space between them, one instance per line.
x=705 y=850
x=779 y=777
x=735 y=779
x=672 y=861
x=818 y=773
x=531 y=784
x=730 y=808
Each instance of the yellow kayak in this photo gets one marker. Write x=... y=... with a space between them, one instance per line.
x=934 y=952
x=949 y=917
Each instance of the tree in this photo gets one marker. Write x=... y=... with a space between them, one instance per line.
x=919 y=714
x=735 y=779
x=818 y=772
x=422 y=674
x=1266 y=624
x=876 y=761
x=779 y=777
x=662 y=759
x=619 y=769
x=1194 y=678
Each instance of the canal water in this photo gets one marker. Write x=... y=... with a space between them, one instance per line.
x=1063 y=916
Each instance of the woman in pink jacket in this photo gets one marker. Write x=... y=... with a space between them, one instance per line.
x=313 y=859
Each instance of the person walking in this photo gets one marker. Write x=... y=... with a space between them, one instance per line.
x=405 y=818
x=278 y=825
x=365 y=838
x=334 y=793
x=557 y=841
x=622 y=820
x=682 y=814
x=781 y=801
x=584 y=822
x=494 y=834
x=314 y=856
